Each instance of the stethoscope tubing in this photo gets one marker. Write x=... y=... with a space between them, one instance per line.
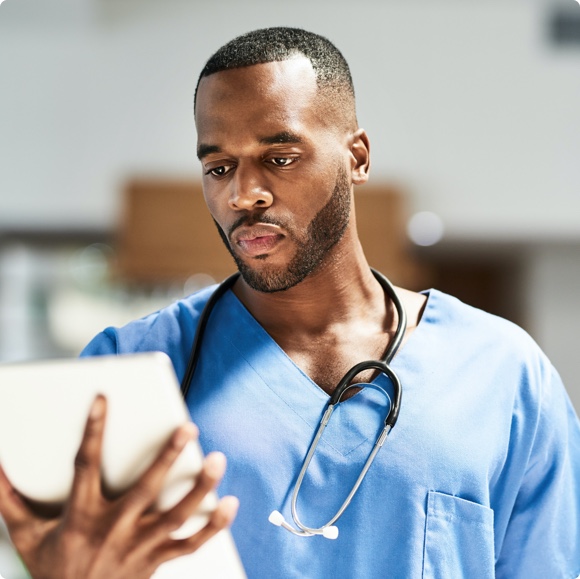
x=383 y=366
x=200 y=331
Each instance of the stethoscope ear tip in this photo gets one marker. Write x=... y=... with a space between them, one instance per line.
x=330 y=532
x=276 y=518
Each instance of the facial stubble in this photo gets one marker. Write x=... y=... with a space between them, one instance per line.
x=324 y=231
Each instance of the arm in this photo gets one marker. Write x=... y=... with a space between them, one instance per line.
x=543 y=533
x=95 y=537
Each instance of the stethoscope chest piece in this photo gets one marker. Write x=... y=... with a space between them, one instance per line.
x=329 y=530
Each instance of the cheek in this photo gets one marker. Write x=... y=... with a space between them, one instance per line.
x=212 y=198
x=318 y=188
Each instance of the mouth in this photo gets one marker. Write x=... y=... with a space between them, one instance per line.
x=257 y=240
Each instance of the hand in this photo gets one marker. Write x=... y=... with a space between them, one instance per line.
x=98 y=538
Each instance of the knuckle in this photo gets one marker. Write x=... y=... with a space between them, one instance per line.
x=78 y=521
x=82 y=462
x=203 y=483
x=172 y=520
x=167 y=457
x=196 y=541
x=72 y=532
x=142 y=494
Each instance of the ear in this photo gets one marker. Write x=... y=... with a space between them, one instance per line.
x=360 y=157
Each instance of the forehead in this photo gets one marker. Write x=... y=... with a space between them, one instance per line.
x=261 y=98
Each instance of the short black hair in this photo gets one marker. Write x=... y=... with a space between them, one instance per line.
x=282 y=43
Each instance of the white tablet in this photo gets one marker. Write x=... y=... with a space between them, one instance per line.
x=43 y=411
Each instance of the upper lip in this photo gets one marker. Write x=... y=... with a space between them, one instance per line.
x=249 y=232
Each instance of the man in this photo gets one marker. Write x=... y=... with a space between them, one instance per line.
x=481 y=476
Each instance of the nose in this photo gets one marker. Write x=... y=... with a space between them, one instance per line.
x=249 y=190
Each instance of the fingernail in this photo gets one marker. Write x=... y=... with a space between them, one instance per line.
x=98 y=407
x=215 y=464
x=183 y=435
x=233 y=504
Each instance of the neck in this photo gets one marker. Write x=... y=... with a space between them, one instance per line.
x=341 y=290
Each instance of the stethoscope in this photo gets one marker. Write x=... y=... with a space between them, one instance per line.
x=329 y=530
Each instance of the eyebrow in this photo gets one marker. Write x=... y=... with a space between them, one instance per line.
x=204 y=150
x=280 y=138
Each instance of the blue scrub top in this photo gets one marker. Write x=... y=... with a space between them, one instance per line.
x=480 y=478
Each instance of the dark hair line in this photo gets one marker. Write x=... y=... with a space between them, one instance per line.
x=282 y=43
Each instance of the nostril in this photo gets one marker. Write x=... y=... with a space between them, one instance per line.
x=250 y=197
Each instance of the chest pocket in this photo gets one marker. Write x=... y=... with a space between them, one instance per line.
x=458 y=539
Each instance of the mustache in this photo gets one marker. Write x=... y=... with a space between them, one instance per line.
x=253 y=219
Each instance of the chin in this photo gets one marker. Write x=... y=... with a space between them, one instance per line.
x=265 y=279
x=275 y=278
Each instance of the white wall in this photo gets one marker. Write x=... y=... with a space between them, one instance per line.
x=553 y=290
x=464 y=102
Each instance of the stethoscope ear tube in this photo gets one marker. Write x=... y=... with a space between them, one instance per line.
x=382 y=367
x=329 y=530
x=390 y=420
x=200 y=331
x=393 y=415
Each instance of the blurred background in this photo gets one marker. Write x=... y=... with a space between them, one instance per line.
x=473 y=111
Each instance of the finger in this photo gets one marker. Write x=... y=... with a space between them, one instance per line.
x=12 y=508
x=220 y=519
x=87 y=478
x=144 y=493
x=214 y=467
x=160 y=525
x=212 y=472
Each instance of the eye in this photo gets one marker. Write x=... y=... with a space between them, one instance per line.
x=282 y=161
x=219 y=171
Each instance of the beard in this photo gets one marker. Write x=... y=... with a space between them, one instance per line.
x=322 y=234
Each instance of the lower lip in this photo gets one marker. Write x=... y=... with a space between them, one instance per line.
x=259 y=245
